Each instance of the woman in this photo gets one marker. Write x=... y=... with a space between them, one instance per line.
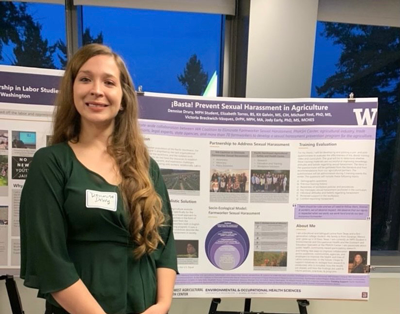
x=96 y=224
x=229 y=185
x=236 y=186
x=358 y=264
x=191 y=250
x=215 y=186
x=222 y=185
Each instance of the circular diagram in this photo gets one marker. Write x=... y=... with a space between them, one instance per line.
x=227 y=245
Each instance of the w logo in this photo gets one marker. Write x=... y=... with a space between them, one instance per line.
x=367 y=116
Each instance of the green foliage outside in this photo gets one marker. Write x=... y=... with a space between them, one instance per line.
x=32 y=50
x=193 y=78
x=86 y=39
x=12 y=19
x=17 y=27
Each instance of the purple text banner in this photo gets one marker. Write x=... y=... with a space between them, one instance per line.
x=259 y=111
x=28 y=88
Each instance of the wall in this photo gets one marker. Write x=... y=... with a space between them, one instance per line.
x=281 y=48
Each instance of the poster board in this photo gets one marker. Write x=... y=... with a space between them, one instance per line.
x=270 y=197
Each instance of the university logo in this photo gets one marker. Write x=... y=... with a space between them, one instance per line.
x=365 y=116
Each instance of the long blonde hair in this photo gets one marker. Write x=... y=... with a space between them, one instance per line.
x=127 y=146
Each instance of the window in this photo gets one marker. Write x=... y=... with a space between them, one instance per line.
x=33 y=34
x=365 y=60
x=158 y=45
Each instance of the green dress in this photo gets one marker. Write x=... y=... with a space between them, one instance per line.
x=64 y=237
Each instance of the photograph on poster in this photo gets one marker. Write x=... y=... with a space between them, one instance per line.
x=270 y=181
x=48 y=140
x=270 y=259
x=270 y=245
x=3 y=170
x=3 y=140
x=358 y=262
x=187 y=248
x=20 y=167
x=3 y=215
x=4 y=222
x=24 y=140
x=230 y=181
x=181 y=180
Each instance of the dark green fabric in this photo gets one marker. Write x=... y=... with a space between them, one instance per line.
x=62 y=240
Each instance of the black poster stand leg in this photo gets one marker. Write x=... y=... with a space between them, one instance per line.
x=214 y=305
x=247 y=304
x=13 y=294
x=303 y=306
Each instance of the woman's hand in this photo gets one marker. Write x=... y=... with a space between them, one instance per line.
x=165 y=289
x=76 y=299
x=158 y=308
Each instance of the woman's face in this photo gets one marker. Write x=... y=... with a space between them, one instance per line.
x=190 y=249
x=97 y=91
x=358 y=259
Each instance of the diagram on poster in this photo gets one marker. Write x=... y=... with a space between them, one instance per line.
x=227 y=245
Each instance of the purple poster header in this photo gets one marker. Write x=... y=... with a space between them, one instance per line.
x=41 y=89
x=258 y=112
x=28 y=88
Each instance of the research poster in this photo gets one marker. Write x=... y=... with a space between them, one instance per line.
x=271 y=198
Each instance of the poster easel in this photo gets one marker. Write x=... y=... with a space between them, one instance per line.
x=302 y=304
x=13 y=295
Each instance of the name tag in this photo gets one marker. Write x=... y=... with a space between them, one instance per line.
x=103 y=200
